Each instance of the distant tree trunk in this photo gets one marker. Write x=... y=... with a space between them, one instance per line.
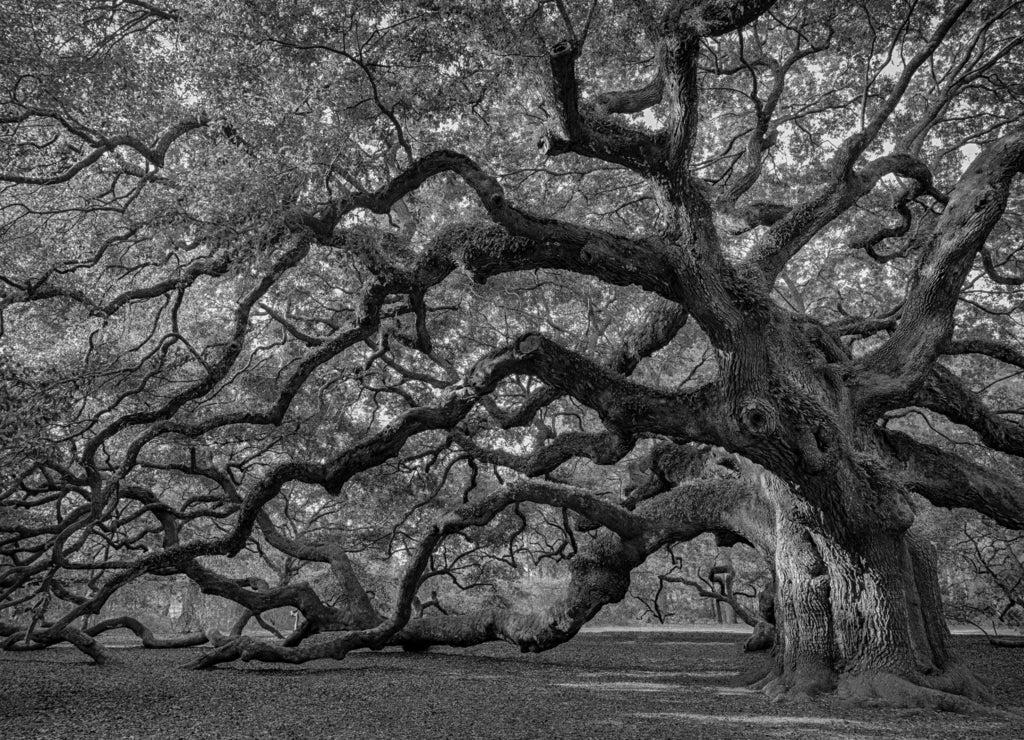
x=190 y=620
x=728 y=613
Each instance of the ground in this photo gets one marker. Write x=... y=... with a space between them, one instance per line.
x=606 y=684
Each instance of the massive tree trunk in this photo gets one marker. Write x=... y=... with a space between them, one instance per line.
x=859 y=613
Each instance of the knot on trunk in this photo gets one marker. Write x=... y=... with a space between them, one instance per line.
x=814 y=448
x=563 y=48
x=757 y=417
x=550 y=144
x=527 y=344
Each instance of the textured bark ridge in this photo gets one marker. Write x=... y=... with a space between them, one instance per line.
x=860 y=616
x=599 y=576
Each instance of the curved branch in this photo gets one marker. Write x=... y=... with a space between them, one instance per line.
x=149 y=640
x=54 y=635
x=589 y=132
x=528 y=242
x=662 y=323
x=603 y=448
x=946 y=394
x=155 y=154
x=950 y=480
x=621 y=403
x=926 y=323
x=991 y=270
x=989 y=347
x=799 y=225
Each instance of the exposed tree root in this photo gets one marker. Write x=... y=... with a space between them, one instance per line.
x=763 y=637
x=954 y=690
x=800 y=686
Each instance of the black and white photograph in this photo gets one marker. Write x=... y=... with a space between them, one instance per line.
x=512 y=369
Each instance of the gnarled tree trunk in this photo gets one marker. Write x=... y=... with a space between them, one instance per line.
x=860 y=614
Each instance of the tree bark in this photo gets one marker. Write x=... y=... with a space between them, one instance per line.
x=149 y=640
x=860 y=615
x=21 y=641
x=599 y=575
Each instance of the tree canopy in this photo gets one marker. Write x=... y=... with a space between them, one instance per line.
x=462 y=284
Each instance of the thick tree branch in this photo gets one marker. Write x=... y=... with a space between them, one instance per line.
x=631 y=101
x=589 y=132
x=855 y=145
x=989 y=347
x=951 y=480
x=926 y=323
x=659 y=327
x=621 y=403
x=946 y=394
x=788 y=235
x=531 y=242
x=604 y=448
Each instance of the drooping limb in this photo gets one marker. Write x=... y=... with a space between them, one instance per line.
x=149 y=639
x=600 y=572
x=51 y=636
x=477 y=513
x=600 y=575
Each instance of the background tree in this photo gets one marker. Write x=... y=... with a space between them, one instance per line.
x=305 y=284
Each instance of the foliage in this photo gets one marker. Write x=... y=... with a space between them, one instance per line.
x=353 y=307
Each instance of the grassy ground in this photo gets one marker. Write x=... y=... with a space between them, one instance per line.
x=604 y=684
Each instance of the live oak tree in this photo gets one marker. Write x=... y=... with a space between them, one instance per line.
x=305 y=277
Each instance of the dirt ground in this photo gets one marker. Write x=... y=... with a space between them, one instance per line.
x=608 y=684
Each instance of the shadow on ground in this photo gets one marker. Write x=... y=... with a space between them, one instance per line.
x=601 y=685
